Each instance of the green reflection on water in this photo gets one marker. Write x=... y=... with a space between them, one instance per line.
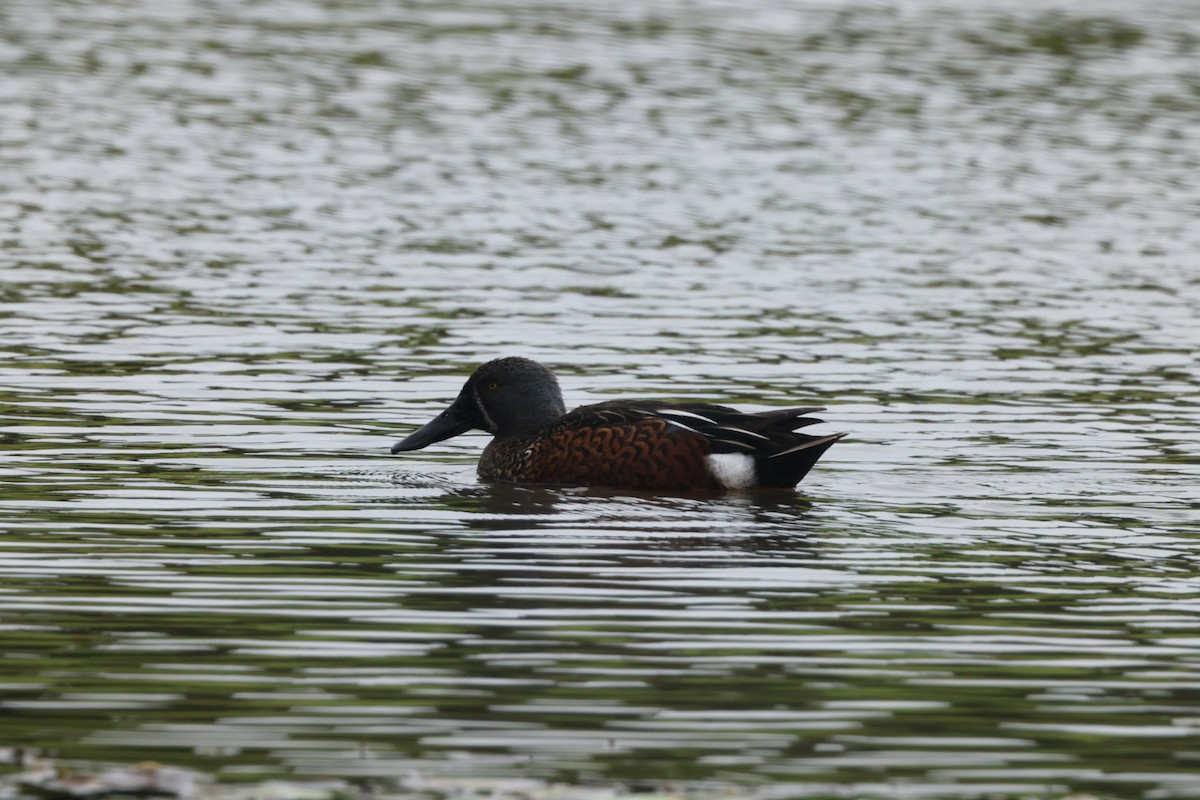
x=250 y=249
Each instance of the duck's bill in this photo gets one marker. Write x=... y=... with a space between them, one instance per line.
x=454 y=420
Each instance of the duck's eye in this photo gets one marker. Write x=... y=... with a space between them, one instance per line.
x=493 y=385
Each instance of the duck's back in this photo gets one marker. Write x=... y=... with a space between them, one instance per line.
x=658 y=445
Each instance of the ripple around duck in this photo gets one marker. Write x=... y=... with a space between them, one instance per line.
x=242 y=252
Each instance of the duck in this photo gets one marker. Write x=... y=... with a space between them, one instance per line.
x=648 y=445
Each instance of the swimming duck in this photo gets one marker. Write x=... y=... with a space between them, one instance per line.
x=622 y=444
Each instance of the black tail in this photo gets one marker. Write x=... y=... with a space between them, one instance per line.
x=786 y=468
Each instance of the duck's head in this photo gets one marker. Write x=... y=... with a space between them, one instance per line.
x=506 y=397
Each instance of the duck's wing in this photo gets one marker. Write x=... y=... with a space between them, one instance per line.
x=664 y=438
x=727 y=429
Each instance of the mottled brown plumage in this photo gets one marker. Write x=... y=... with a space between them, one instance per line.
x=648 y=445
x=589 y=447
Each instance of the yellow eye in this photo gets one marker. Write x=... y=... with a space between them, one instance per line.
x=493 y=385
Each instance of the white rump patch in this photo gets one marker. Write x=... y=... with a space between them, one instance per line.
x=733 y=470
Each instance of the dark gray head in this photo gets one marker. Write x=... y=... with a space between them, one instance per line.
x=507 y=397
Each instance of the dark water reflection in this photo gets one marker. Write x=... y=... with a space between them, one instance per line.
x=242 y=249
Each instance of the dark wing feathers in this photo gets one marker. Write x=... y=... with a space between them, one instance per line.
x=763 y=433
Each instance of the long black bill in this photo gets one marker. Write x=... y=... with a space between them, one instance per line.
x=454 y=420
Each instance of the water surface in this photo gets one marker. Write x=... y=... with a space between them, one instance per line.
x=246 y=246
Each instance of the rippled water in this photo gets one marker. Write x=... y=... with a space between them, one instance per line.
x=246 y=245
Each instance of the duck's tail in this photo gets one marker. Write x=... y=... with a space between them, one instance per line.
x=786 y=468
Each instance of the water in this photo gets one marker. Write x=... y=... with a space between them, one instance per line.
x=246 y=246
